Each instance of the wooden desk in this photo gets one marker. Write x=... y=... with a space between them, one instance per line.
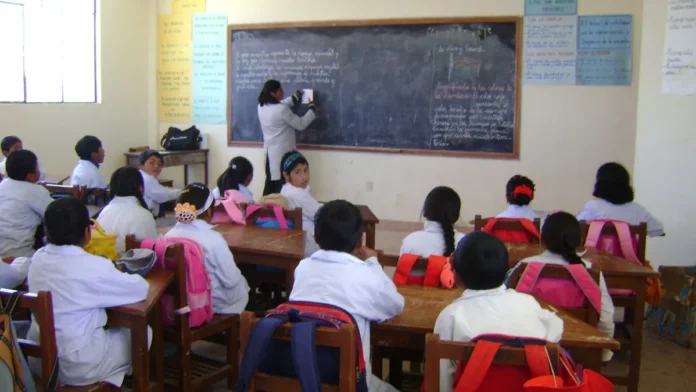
x=176 y=158
x=369 y=224
x=135 y=318
x=55 y=179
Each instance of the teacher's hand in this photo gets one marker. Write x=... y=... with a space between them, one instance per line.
x=312 y=107
x=297 y=97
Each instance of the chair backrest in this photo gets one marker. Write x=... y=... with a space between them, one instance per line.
x=41 y=306
x=639 y=231
x=509 y=225
x=295 y=215
x=72 y=190
x=342 y=338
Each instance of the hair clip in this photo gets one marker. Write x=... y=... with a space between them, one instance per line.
x=234 y=166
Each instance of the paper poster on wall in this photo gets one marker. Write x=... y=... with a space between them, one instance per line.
x=174 y=88
x=174 y=41
x=209 y=68
x=550 y=44
x=550 y=7
x=605 y=50
x=187 y=6
x=679 y=64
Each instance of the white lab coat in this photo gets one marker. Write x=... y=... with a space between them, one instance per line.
x=632 y=213
x=22 y=207
x=427 y=242
x=13 y=274
x=124 y=216
x=230 y=289
x=3 y=170
x=518 y=212
x=606 y=316
x=359 y=287
x=244 y=190
x=301 y=198
x=497 y=311
x=278 y=124
x=86 y=174
x=156 y=193
x=82 y=285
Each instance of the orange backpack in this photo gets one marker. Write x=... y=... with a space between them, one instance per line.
x=437 y=273
x=529 y=234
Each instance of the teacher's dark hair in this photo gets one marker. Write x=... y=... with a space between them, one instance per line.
x=269 y=87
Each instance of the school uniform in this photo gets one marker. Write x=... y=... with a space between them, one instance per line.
x=229 y=288
x=497 y=311
x=359 y=287
x=124 y=216
x=244 y=190
x=22 y=206
x=82 y=285
x=427 y=242
x=632 y=213
x=14 y=273
x=86 y=174
x=301 y=198
x=156 y=193
x=518 y=212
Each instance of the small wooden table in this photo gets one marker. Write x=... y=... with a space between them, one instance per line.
x=135 y=318
x=176 y=158
x=369 y=224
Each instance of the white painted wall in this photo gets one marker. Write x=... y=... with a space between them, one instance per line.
x=664 y=175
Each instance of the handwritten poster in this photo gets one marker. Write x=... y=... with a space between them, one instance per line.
x=209 y=68
x=174 y=41
x=550 y=44
x=679 y=64
x=605 y=50
x=550 y=7
x=174 y=87
x=187 y=6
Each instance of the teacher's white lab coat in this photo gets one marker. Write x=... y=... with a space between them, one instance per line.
x=301 y=198
x=497 y=311
x=87 y=174
x=82 y=285
x=13 y=274
x=229 y=287
x=359 y=287
x=278 y=124
x=632 y=213
x=22 y=206
x=156 y=193
x=124 y=216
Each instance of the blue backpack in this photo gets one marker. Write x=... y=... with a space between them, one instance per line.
x=298 y=358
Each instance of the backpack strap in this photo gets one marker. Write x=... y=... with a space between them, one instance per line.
x=529 y=277
x=304 y=355
x=433 y=270
x=587 y=285
x=626 y=241
x=488 y=227
x=233 y=211
x=529 y=226
x=256 y=350
x=477 y=366
x=404 y=267
x=594 y=233
x=537 y=359
x=280 y=217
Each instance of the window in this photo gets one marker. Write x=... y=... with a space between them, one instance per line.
x=48 y=51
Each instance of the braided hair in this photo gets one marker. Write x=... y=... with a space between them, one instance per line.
x=561 y=235
x=443 y=205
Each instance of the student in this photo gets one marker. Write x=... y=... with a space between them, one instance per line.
x=519 y=192
x=295 y=170
x=22 y=205
x=14 y=272
x=9 y=145
x=91 y=154
x=348 y=275
x=151 y=163
x=487 y=307
x=127 y=213
x=561 y=236
x=615 y=200
x=193 y=212
x=238 y=176
x=83 y=285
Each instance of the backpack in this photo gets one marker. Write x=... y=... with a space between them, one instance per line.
x=310 y=364
x=198 y=288
x=177 y=140
x=279 y=222
x=14 y=369
x=232 y=213
x=529 y=234
x=435 y=274
x=102 y=243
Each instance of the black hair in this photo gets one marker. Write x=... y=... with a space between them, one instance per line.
x=443 y=205
x=519 y=199
x=293 y=159
x=561 y=235
x=481 y=261
x=269 y=87
x=236 y=174
x=613 y=184
x=20 y=164
x=145 y=155
x=66 y=221
x=128 y=181
x=8 y=142
x=338 y=226
x=86 y=146
x=195 y=194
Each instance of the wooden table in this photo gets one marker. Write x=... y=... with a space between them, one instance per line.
x=176 y=158
x=55 y=179
x=135 y=318
x=369 y=224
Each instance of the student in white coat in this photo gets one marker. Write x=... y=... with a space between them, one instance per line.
x=193 y=212
x=615 y=200
x=519 y=193
x=238 y=176
x=9 y=145
x=13 y=272
x=296 y=191
x=22 y=205
x=127 y=213
x=278 y=123
x=487 y=306
x=151 y=164
x=346 y=274
x=82 y=286
x=91 y=154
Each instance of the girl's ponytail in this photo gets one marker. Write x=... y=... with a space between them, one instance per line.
x=561 y=235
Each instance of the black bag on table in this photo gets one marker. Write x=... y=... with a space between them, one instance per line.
x=177 y=140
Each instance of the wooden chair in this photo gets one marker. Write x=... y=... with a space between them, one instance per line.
x=639 y=231
x=511 y=225
x=343 y=338
x=435 y=350
x=75 y=191
x=191 y=372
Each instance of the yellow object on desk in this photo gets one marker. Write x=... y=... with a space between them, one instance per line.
x=102 y=243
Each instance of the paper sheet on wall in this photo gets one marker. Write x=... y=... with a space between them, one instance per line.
x=174 y=41
x=307 y=96
x=187 y=6
x=174 y=88
x=605 y=50
x=550 y=7
x=550 y=44
x=679 y=64
x=209 y=68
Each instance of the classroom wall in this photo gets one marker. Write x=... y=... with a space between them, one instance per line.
x=120 y=120
x=567 y=131
x=666 y=140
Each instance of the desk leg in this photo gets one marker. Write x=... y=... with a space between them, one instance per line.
x=396 y=368
x=637 y=337
x=185 y=175
x=139 y=358
x=370 y=235
x=290 y=277
x=157 y=346
x=205 y=171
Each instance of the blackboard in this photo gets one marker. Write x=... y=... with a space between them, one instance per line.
x=427 y=86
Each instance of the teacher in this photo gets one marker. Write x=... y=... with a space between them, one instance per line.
x=278 y=123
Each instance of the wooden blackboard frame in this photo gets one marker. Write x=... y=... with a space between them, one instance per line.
x=515 y=154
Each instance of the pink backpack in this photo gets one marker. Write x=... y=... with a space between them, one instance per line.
x=559 y=292
x=198 y=288
x=232 y=212
x=624 y=245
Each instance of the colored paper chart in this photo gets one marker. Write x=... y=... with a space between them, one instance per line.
x=550 y=7
x=174 y=68
x=550 y=44
x=187 y=6
x=679 y=65
x=174 y=95
x=605 y=50
x=209 y=68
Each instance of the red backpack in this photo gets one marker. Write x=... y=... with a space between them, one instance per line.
x=438 y=272
x=528 y=235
